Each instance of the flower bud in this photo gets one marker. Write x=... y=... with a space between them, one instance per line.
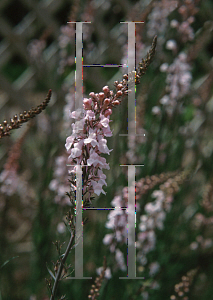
x=119 y=93
x=107 y=112
x=119 y=86
x=101 y=96
x=106 y=101
x=116 y=102
x=92 y=94
x=105 y=89
x=87 y=103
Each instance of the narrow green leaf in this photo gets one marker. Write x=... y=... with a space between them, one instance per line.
x=67 y=276
x=51 y=273
x=6 y=262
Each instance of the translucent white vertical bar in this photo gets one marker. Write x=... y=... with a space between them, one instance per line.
x=79 y=105
x=79 y=225
x=131 y=258
x=79 y=67
x=131 y=67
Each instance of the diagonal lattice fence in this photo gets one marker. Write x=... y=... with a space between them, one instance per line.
x=21 y=21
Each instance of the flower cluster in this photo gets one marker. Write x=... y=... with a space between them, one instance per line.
x=11 y=181
x=87 y=140
x=184 y=29
x=153 y=218
x=58 y=184
x=179 y=75
x=178 y=81
x=117 y=220
x=187 y=12
x=156 y=213
x=157 y=19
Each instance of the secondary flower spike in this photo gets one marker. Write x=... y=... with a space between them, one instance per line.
x=23 y=117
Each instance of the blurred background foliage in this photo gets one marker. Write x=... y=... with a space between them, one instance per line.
x=174 y=111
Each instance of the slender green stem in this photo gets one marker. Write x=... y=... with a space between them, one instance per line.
x=60 y=269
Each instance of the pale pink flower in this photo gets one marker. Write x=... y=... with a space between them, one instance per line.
x=96 y=160
x=104 y=121
x=107 y=131
x=108 y=238
x=91 y=138
x=77 y=150
x=120 y=259
x=97 y=187
x=90 y=115
x=69 y=142
x=102 y=177
x=171 y=45
x=78 y=126
x=154 y=268
x=107 y=274
x=76 y=114
x=102 y=146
